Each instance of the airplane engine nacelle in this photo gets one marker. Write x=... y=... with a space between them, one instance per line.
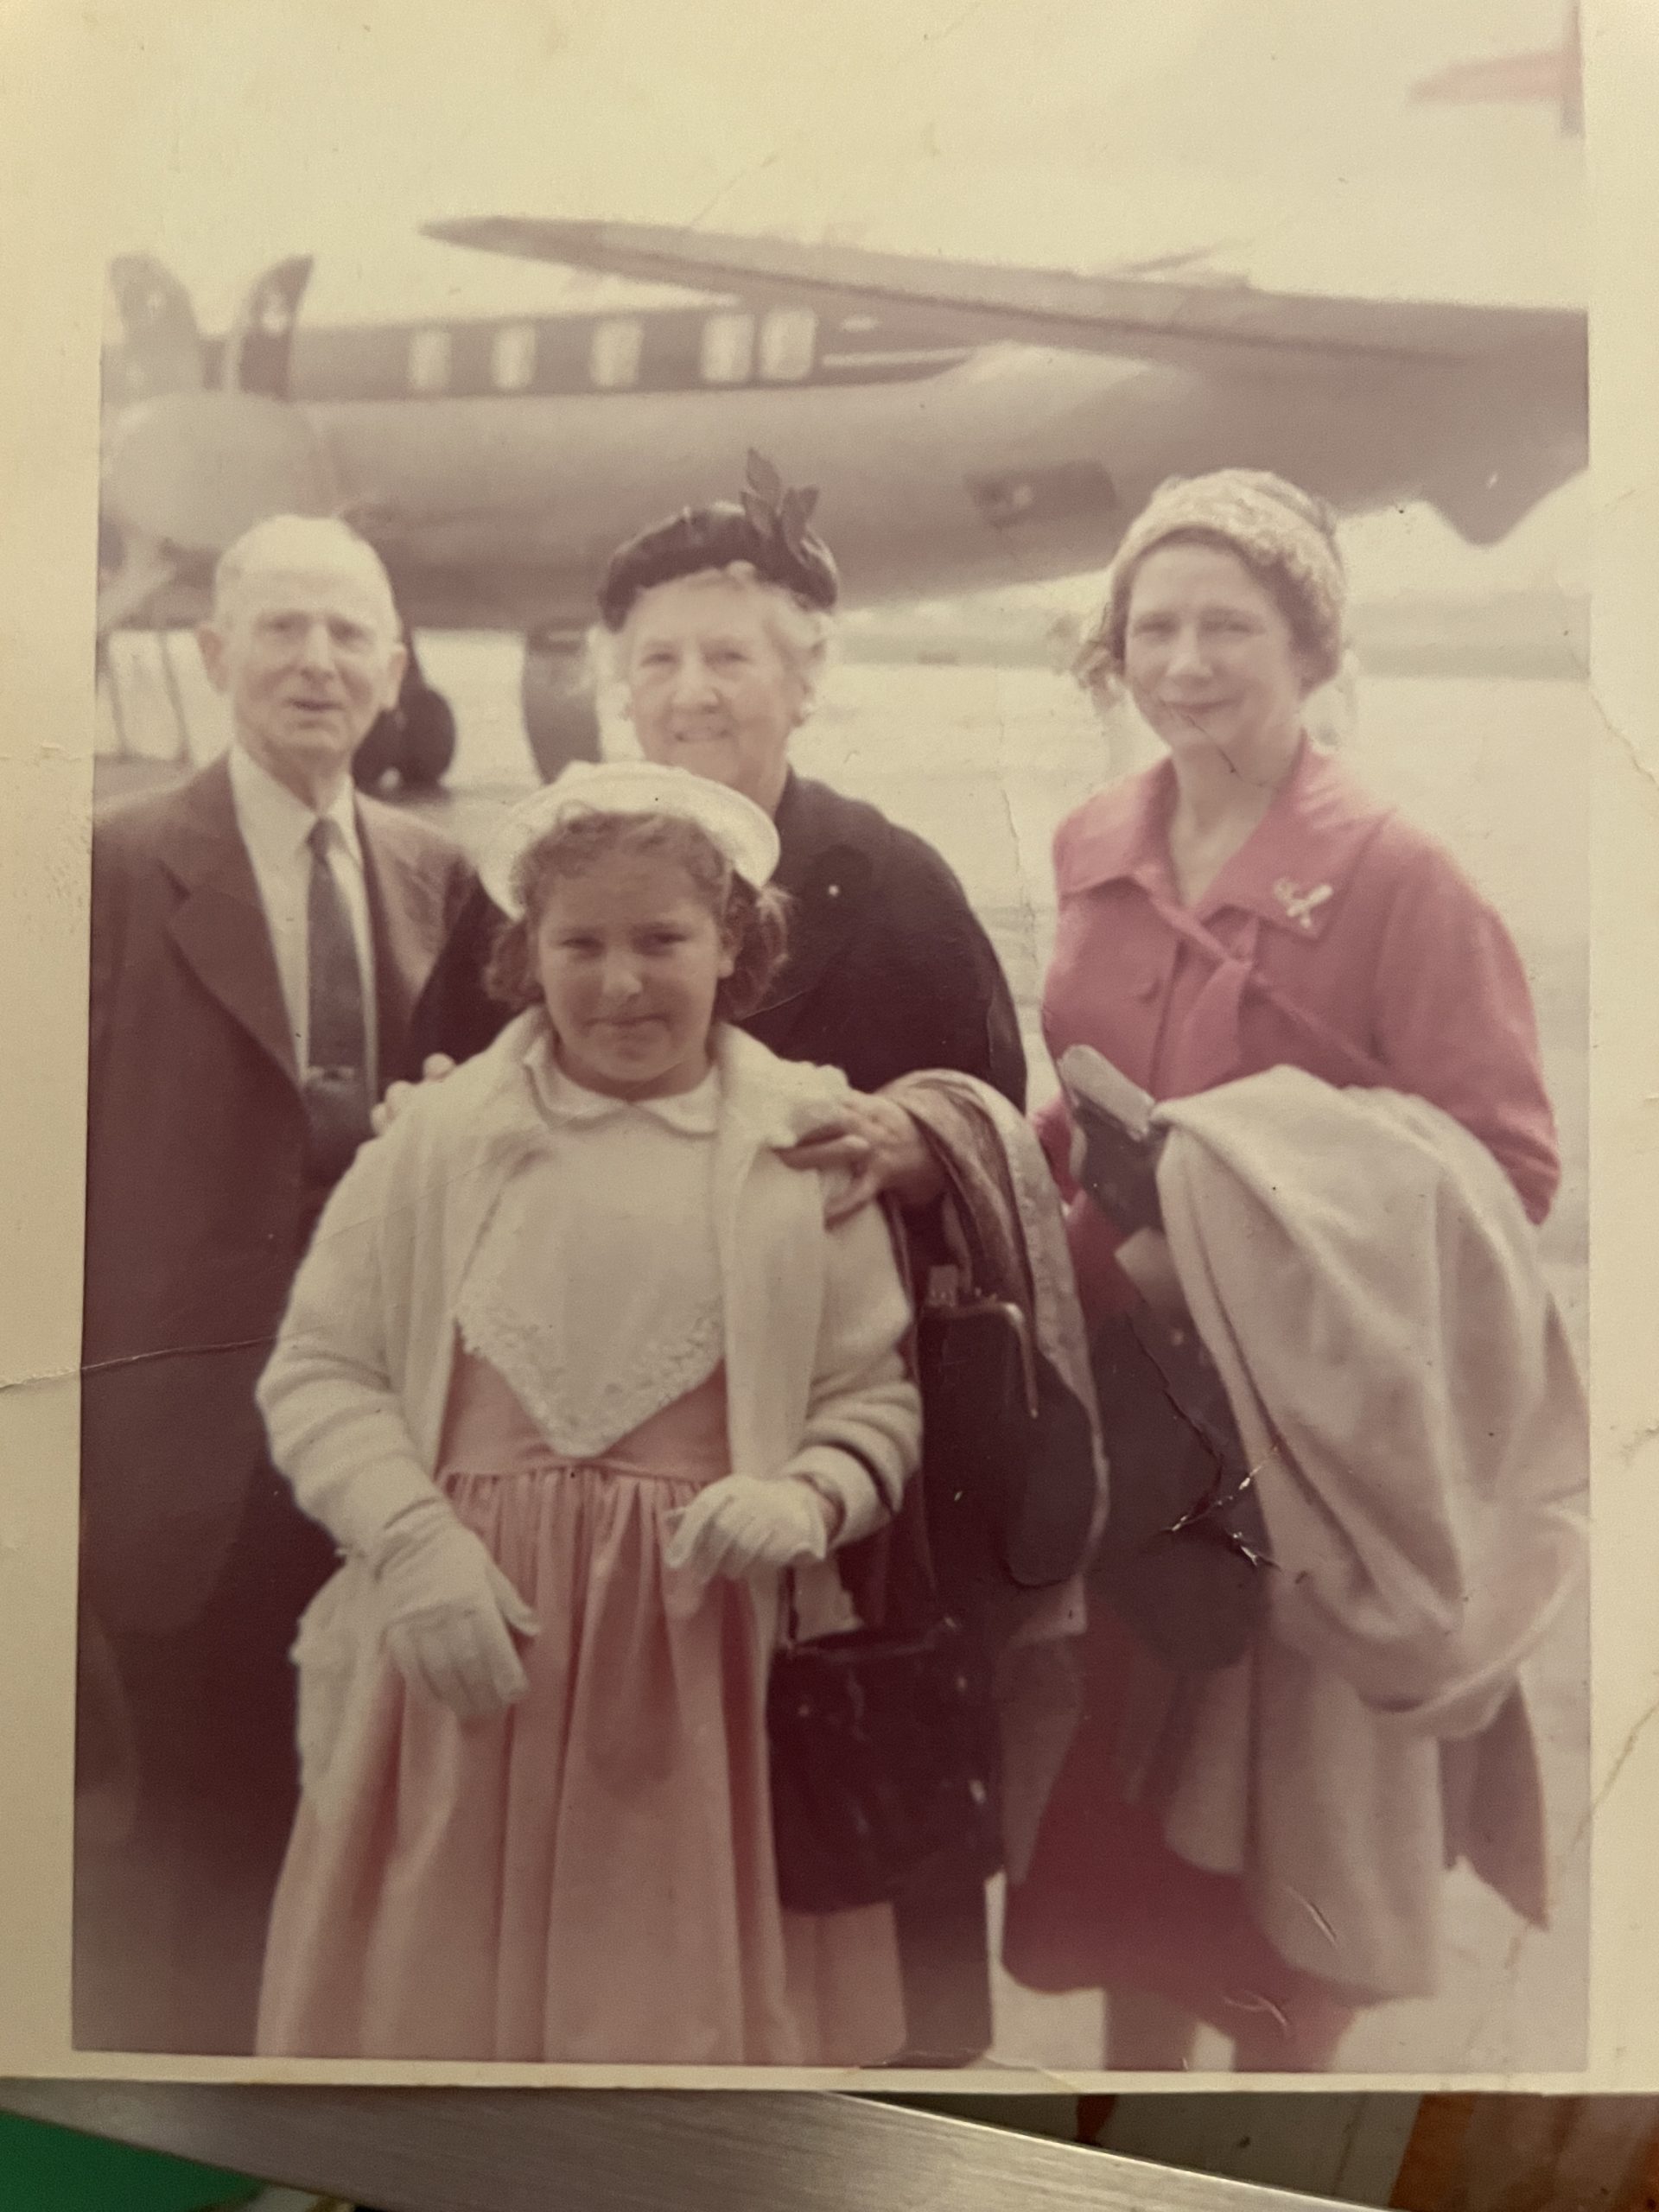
x=194 y=470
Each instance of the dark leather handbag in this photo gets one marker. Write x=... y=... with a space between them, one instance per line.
x=1009 y=1475
x=1186 y=1554
x=1185 y=1557
x=1008 y=1454
x=883 y=1749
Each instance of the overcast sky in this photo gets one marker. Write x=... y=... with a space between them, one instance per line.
x=1069 y=132
x=1278 y=133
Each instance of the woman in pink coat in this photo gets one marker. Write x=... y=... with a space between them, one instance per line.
x=1242 y=906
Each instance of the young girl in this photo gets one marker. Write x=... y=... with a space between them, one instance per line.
x=573 y=1370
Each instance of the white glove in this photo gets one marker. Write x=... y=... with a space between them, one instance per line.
x=743 y=1522
x=447 y=1608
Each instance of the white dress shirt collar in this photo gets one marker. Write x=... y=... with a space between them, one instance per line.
x=274 y=824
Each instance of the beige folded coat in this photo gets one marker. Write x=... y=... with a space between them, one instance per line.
x=1365 y=1277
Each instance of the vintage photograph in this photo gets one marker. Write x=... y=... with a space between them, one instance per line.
x=837 y=1229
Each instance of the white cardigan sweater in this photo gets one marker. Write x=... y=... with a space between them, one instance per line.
x=816 y=1317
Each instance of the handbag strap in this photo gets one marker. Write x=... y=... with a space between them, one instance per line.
x=911 y=1522
x=1364 y=1070
x=908 y=1524
x=962 y=1225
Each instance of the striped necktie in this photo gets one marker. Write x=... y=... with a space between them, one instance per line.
x=336 y=1076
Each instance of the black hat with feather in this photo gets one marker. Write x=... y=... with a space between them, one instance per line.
x=767 y=527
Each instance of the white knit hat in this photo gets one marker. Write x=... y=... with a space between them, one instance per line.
x=735 y=824
x=1277 y=530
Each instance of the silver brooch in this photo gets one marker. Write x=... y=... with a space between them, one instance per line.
x=1301 y=906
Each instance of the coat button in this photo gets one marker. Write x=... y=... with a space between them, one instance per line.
x=832 y=891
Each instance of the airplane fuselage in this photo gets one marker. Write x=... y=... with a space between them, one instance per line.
x=496 y=463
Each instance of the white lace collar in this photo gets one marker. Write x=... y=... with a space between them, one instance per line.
x=694 y=1113
x=594 y=1288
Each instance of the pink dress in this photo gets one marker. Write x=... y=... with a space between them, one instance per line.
x=589 y=1879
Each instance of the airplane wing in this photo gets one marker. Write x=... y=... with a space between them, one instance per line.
x=1204 y=324
x=1498 y=396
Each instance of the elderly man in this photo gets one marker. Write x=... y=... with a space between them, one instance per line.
x=260 y=935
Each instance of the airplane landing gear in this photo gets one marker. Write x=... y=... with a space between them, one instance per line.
x=415 y=739
x=555 y=693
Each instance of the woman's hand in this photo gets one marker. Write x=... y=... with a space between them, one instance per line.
x=877 y=1141
x=433 y=1068
x=1146 y=1258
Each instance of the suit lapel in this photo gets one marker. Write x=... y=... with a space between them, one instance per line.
x=219 y=925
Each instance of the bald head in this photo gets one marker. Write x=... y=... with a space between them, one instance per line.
x=311 y=544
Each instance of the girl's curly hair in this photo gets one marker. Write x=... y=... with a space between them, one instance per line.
x=754 y=924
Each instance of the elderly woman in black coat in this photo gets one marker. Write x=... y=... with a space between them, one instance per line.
x=719 y=619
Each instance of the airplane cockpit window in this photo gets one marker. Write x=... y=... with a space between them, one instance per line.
x=428 y=361
x=729 y=349
x=512 y=356
x=614 y=360
x=788 y=339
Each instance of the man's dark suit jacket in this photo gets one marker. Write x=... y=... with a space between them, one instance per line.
x=196 y=1560
x=197 y=1208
